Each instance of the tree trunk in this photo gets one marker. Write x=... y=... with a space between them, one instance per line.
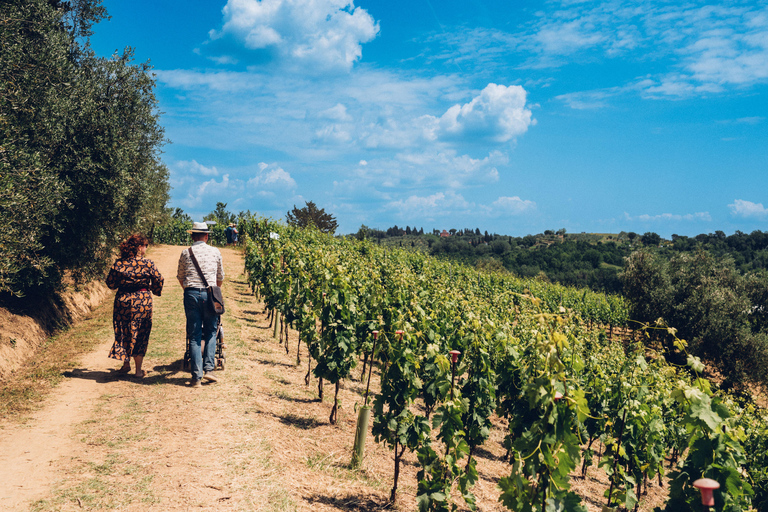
x=276 y=333
x=365 y=362
x=285 y=332
x=335 y=410
x=398 y=456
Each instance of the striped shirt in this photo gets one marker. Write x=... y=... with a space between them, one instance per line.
x=210 y=262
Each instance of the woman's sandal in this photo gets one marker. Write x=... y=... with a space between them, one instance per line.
x=125 y=369
x=141 y=375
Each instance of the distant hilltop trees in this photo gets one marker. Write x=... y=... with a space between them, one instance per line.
x=593 y=260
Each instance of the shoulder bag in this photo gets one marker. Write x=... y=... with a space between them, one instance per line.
x=215 y=297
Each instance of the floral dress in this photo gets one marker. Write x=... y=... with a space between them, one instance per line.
x=133 y=278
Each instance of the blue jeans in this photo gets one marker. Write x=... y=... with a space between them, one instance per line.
x=201 y=326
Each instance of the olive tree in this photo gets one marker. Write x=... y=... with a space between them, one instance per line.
x=80 y=146
x=715 y=308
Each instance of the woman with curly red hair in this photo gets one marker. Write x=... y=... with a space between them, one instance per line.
x=133 y=276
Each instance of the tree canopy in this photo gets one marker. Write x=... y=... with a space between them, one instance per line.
x=79 y=146
x=719 y=311
x=311 y=215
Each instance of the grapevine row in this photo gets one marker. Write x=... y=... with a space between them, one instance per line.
x=529 y=354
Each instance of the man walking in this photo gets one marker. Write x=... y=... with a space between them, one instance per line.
x=201 y=321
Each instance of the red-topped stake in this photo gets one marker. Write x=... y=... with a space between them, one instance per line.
x=454 y=355
x=375 y=335
x=707 y=487
x=399 y=335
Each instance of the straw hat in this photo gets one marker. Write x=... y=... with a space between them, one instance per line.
x=199 y=227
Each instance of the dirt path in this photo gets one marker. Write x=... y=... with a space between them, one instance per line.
x=28 y=452
x=37 y=456
x=257 y=440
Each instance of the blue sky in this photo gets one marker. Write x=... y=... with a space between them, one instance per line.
x=512 y=117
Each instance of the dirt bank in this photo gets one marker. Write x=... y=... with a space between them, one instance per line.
x=22 y=335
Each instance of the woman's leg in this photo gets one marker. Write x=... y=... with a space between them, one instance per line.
x=138 y=360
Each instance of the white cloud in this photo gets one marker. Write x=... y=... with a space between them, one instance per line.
x=336 y=113
x=192 y=167
x=729 y=56
x=666 y=217
x=308 y=35
x=687 y=49
x=499 y=114
x=406 y=173
x=270 y=184
x=445 y=168
x=208 y=192
x=566 y=37
x=332 y=133
x=372 y=110
x=270 y=177
x=742 y=208
x=218 y=81
x=511 y=206
x=750 y=120
x=587 y=100
x=713 y=48
x=713 y=44
x=437 y=205
x=450 y=204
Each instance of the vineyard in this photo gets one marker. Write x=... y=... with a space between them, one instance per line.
x=457 y=349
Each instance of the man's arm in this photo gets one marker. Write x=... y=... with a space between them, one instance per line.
x=180 y=269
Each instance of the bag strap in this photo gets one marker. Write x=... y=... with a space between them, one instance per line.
x=197 y=266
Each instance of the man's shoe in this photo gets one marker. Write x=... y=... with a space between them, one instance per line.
x=196 y=384
x=208 y=377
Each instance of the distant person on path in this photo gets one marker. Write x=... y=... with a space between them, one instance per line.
x=229 y=232
x=133 y=276
x=201 y=322
x=234 y=234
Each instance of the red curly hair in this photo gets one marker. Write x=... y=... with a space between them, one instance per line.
x=130 y=246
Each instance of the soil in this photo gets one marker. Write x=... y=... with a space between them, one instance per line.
x=259 y=439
